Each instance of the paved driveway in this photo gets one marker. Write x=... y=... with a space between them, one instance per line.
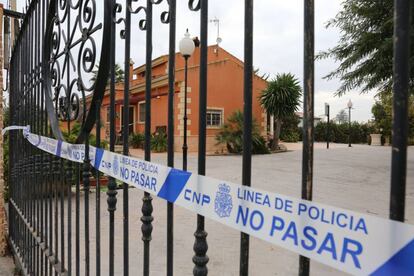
x=355 y=178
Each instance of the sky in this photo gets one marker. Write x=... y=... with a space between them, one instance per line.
x=278 y=42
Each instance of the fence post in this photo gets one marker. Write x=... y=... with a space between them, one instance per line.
x=400 y=107
x=308 y=113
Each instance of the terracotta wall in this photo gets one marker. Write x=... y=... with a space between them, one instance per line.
x=225 y=91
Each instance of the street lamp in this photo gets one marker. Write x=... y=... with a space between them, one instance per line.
x=186 y=49
x=327 y=125
x=349 y=122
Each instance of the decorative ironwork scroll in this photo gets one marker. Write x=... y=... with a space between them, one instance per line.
x=74 y=39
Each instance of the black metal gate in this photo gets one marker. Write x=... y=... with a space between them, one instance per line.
x=59 y=45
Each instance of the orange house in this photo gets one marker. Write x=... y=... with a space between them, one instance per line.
x=224 y=96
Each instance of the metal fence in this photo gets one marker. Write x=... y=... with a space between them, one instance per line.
x=59 y=45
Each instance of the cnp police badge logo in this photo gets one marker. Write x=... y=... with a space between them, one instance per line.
x=223 y=203
x=115 y=166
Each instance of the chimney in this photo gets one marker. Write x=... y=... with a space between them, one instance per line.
x=196 y=42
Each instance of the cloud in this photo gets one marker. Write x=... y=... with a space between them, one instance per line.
x=278 y=41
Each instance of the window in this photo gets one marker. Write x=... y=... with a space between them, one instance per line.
x=214 y=117
x=141 y=110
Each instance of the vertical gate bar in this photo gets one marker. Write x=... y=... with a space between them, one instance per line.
x=125 y=131
x=35 y=151
x=77 y=220
x=27 y=152
x=62 y=214
x=402 y=18
x=308 y=118
x=27 y=163
x=30 y=149
x=56 y=174
x=69 y=198
x=98 y=195
x=247 y=122
x=38 y=122
x=65 y=181
x=147 y=218
x=11 y=148
x=112 y=183
x=86 y=175
x=200 y=259
x=50 y=211
x=46 y=204
x=43 y=260
x=170 y=154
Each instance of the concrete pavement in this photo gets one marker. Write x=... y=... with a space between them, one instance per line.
x=356 y=178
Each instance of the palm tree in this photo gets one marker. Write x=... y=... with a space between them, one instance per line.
x=231 y=134
x=281 y=99
x=119 y=73
x=342 y=117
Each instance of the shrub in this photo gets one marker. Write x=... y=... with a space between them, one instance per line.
x=291 y=137
x=74 y=132
x=231 y=134
x=136 y=140
x=338 y=133
x=259 y=146
x=290 y=132
x=159 y=141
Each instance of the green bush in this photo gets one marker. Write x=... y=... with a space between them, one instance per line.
x=159 y=141
x=290 y=132
x=136 y=140
x=338 y=133
x=74 y=132
x=231 y=134
x=292 y=137
x=259 y=146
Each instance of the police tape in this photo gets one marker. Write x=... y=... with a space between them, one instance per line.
x=356 y=243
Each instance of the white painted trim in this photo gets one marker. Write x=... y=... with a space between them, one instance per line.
x=139 y=111
x=222 y=117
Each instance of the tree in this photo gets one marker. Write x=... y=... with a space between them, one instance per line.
x=365 y=48
x=341 y=117
x=382 y=112
x=281 y=99
x=119 y=73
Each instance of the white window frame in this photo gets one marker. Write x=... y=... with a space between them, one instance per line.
x=217 y=110
x=139 y=113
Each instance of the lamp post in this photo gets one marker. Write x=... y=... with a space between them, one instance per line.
x=349 y=122
x=186 y=49
x=327 y=125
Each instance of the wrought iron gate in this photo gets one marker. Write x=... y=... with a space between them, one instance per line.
x=59 y=45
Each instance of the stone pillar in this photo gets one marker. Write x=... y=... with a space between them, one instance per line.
x=3 y=224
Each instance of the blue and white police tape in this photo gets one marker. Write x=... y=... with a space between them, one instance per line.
x=356 y=243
